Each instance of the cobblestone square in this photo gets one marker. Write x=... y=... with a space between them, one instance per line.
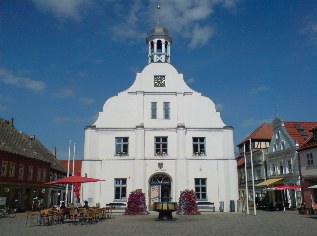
x=265 y=223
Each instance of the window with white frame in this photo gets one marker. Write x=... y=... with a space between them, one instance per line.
x=120 y=189
x=11 y=169
x=289 y=164
x=4 y=168
x=282 y=145
x=21 y=171
x=273 y=169
x=201 y=188
x=153 y=110
x=122 y=146
x=310 y=159
x=258 y=173
x=166 y=110
x=275 y=147
x=39 y=174
x=30 y=173
x=199 y=145
x=44 y=175
x=281 y=168
x=160 y=146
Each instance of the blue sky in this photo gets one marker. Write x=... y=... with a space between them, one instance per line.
x=61 y=60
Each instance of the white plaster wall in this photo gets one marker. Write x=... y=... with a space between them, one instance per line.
x=193 y=109
x=129 y=115
x=308 y=171
x=220 y=176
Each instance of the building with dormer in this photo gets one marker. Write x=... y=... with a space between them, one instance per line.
x=282 y=163
x=160 y=136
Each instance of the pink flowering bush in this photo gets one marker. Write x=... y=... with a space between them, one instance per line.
x=136 y=203
x=187 y=204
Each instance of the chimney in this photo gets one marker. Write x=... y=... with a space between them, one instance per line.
x=32 y=137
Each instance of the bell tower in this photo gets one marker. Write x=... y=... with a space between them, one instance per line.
x=159 y=43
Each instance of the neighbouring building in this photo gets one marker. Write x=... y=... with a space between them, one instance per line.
x=260 y=141
x=25 y=166
x=282 y=163
x=160 y=136
x=308 y=163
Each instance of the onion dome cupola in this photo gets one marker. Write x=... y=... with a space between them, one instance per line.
x=159 y=43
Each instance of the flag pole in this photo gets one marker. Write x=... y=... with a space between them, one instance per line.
x=66 y=197
x=246 y=179
x=72 y=193
x=254 y=204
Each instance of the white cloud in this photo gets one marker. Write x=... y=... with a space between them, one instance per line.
x=229 y=3
x=87 y=100
x=128 y=30
x=189 y=20
x=200 y=36
x=65 y=93
x=127 y=33
x=62 y=8
x=261 y=88
x=7 y=77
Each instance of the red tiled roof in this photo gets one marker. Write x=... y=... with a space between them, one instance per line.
x=310 y=142
x=295 y=134
x=264 y=131
x=77 y=166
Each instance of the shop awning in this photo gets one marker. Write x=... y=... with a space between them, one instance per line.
x=268 y=182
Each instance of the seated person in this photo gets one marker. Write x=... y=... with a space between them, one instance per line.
x=63 y=205
x=86 y=205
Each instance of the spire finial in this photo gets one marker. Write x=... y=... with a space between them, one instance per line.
x=158 y=13
x=276 y=110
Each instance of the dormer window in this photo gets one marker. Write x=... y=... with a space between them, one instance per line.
x=315 y=135
x=282 y=145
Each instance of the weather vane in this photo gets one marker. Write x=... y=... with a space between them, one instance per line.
x=276 y=110
x=158 y=12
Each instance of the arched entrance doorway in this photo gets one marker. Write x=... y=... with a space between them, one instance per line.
x=160 y=188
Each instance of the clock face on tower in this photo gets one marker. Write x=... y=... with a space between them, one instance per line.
x=159 y=80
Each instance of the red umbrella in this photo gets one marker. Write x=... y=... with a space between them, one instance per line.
x=72 y=180
x=283 y=187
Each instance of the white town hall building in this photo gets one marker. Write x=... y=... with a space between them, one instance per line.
x=160 y=136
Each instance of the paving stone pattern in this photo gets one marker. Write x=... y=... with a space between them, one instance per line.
x=265 y=223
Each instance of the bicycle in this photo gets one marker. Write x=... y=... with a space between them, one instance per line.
x=7 y=212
